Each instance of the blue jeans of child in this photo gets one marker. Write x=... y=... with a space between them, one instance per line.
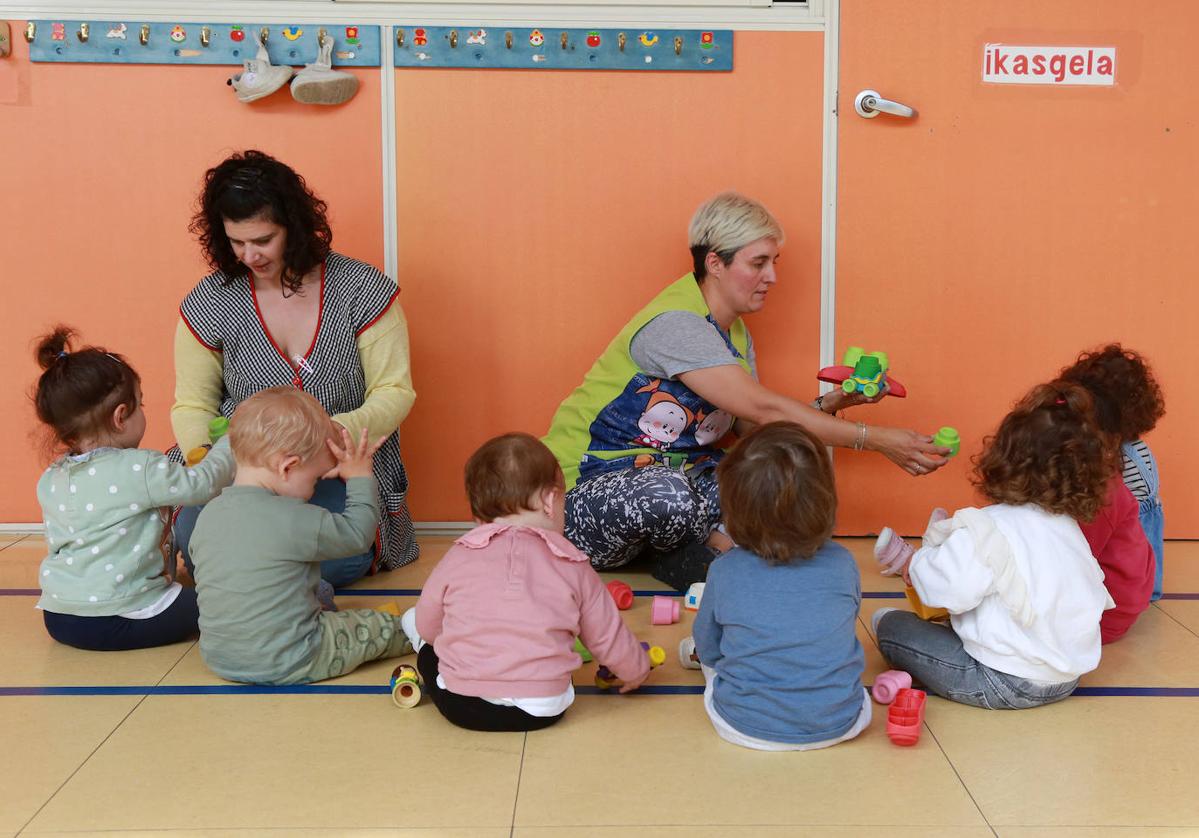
x=1153 y=524
x=932 y=654
x=329 y=494
x=117 y=634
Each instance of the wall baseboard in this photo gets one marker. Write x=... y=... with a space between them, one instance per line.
x=427 y=528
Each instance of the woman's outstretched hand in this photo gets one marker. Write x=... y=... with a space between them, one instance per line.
x=914 y=453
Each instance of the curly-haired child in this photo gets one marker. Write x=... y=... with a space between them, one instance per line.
x=1128 y=404
x=1023 y=591
x=107 y=582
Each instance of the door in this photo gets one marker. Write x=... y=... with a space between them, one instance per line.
x=988 y=240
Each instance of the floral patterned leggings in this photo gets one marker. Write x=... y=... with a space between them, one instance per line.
x=614 y=516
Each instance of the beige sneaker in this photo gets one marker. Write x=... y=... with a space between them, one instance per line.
x=319 y=84
x=259 y=77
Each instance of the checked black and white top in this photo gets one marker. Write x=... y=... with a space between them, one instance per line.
x=223 y=314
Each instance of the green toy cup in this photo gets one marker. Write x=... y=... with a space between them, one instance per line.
x=948 y=438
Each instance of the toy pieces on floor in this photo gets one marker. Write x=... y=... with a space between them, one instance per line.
x=905 y=716
x=604 y=679
x=687 y=657
x=582 y=652
x=863 y=372
x=405 y=686
x=319 y=84
x=259 y=77
x=888 y=684
x=622 y=594
x=664 y=611
x=695 y=595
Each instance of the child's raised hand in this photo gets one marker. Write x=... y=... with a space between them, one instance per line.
x=354 y=460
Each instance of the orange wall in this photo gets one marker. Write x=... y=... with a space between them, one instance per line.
x=537 y=212
x=987 y=242
x=982 y=245
x=101 y=166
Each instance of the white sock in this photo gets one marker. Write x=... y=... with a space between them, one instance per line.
x=408 y=624
x=878 y=615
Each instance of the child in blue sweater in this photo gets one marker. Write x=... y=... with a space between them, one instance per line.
x=776 y=628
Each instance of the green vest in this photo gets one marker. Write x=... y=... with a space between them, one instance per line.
x=619 y=417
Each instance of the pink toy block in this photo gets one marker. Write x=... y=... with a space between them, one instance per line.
x=891 y=551
x=888 y=683
x=622 y=594
x=905 y=716
x=664 y=611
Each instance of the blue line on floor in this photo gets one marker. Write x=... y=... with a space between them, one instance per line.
x=416 y=592
x=372 y=689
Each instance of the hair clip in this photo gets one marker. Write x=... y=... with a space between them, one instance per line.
x=62 y=354
x=246 y=178
x=1059 y=400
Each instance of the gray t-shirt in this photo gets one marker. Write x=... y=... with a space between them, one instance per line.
x=676 y=342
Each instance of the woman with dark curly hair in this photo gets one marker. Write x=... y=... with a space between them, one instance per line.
x=282 y=308
x=1023 y=591
x=1127 y=535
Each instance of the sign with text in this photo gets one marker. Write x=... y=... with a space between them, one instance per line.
x=1007 y=64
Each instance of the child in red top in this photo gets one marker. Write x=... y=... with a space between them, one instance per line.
x=1119 y=544
x=503 y=607
x=1126 y=534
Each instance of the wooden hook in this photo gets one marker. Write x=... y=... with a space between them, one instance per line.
x=30 y=32
x=144 y=34
x=400 y=38
x=85 y=32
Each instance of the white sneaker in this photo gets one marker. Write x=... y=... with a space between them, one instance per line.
x=408 y=624
x=877 y=616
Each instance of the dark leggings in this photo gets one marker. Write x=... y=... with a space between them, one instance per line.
x=117 y=634
x=470 y=712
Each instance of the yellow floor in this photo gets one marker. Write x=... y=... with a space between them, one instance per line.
x=235 y=764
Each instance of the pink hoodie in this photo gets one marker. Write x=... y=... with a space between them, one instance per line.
x=503 y=607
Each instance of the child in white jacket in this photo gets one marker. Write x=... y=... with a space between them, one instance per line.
x=1022 y=589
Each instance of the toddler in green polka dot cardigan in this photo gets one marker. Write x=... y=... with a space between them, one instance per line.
x=107 y=581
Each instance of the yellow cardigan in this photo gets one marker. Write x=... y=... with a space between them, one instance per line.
x=383 y=349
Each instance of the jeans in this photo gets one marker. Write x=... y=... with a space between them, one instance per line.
x=1153 y=524
x=329 y=494
x=117 y=634
x=932 y=653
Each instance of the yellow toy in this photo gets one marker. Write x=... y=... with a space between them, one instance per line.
x=405 y=686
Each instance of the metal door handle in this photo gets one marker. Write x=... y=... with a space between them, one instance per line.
x=870 y=104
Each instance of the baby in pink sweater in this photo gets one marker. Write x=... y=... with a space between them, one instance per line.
x=496 y=622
